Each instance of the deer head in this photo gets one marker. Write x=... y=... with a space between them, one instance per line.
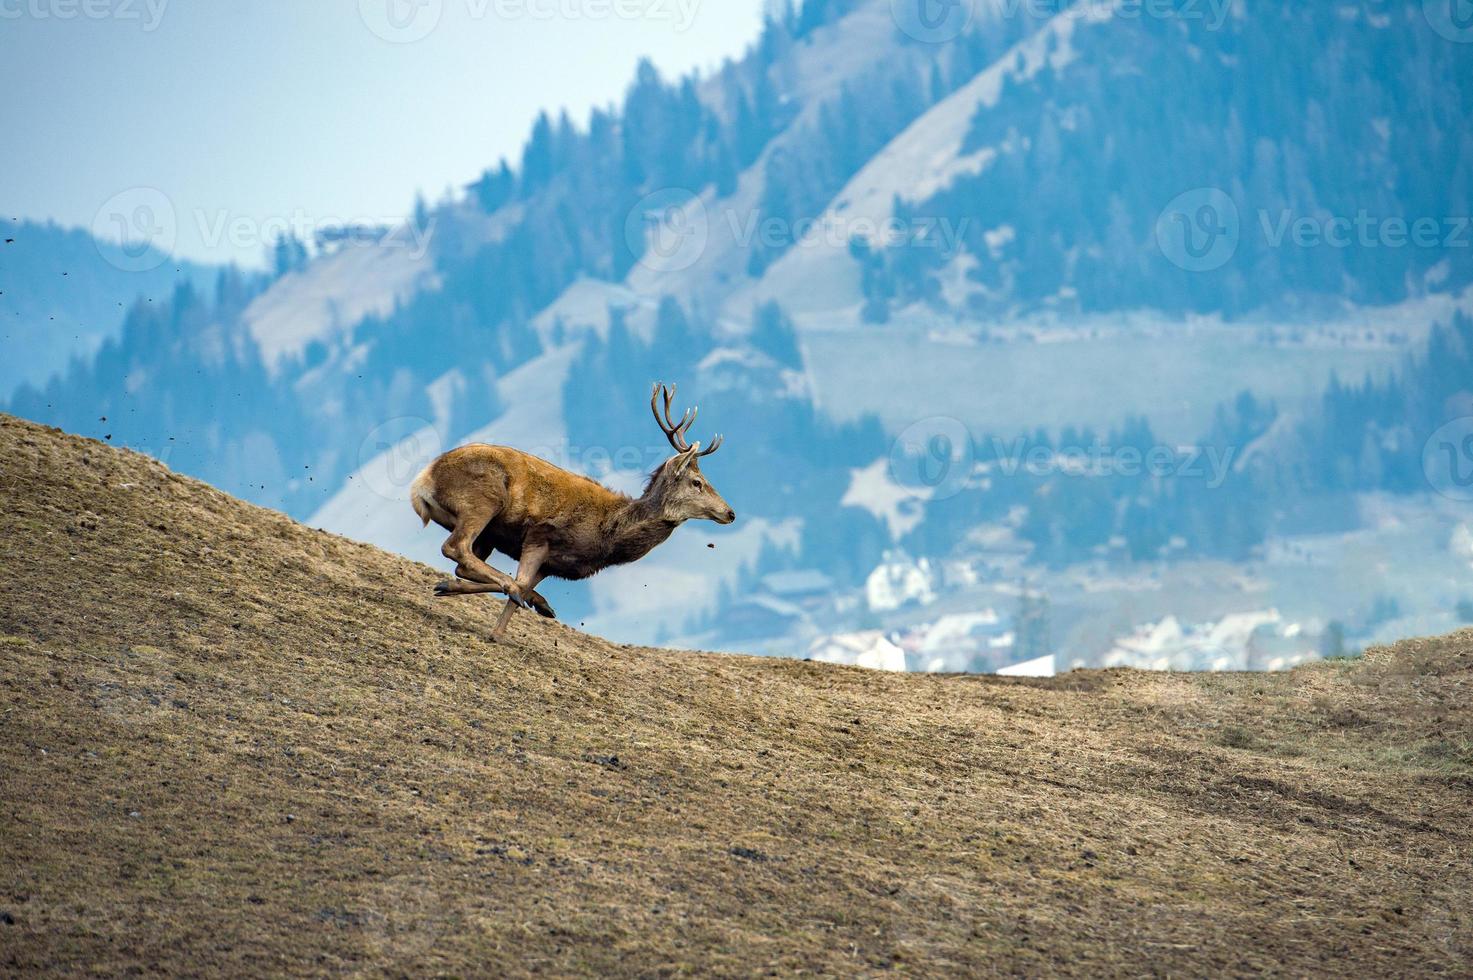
x=678 y=489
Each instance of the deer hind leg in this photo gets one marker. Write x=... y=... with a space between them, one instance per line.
x=470 y=562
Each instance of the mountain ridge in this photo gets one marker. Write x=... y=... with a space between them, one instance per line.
x=232 y=743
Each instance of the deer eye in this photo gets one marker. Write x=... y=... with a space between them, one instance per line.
x=696 y=483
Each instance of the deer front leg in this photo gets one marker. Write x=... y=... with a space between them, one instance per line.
x=529 y=576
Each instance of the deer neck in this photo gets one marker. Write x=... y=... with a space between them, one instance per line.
x=636 y=530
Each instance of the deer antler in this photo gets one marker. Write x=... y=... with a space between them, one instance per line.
x=676 y=431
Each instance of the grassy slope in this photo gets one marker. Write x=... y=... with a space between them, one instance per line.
x=231 y=743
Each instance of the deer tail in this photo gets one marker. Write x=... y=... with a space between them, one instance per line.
x=422 y=496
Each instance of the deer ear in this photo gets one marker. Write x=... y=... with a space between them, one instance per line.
x=683 y=461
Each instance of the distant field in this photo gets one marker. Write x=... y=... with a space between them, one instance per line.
x=1176 y=378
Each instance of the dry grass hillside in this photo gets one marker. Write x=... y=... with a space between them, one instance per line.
x=230 y=744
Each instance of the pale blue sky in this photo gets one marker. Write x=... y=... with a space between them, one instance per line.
x=248 y=113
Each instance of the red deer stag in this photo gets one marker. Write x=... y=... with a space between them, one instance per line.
x=556 y=523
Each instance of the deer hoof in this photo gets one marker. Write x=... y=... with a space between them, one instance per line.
x=536 y=602
x=442 y=589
